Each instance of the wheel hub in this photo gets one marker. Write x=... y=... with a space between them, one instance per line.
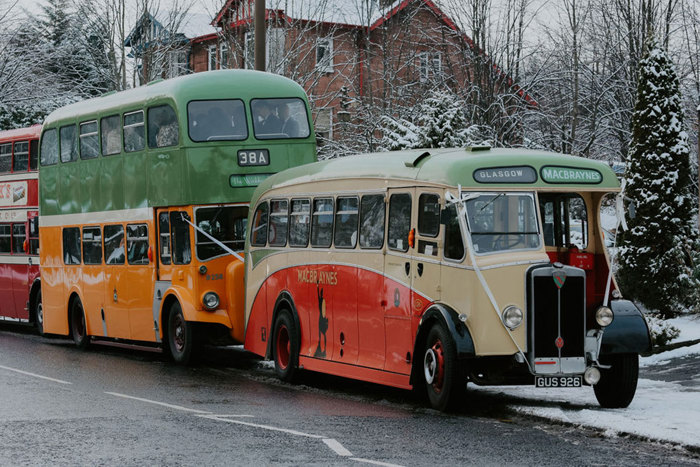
x=283 y=347
x=434 y=366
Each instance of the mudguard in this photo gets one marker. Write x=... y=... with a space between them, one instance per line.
x=628 y=333
x=284 y=298
x=459 y=332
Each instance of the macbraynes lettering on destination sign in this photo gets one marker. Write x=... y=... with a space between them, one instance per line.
x=310 y=276
x=557 y=174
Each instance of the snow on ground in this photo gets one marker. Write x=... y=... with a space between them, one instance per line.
x=661 y=410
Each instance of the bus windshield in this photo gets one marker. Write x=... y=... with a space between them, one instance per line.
x=227 y=224
x=502 y=221
x=279 y=118
x=217 y=120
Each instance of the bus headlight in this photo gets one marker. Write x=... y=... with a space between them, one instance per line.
x=512 y=317
x=604 y=316
x=210 y=300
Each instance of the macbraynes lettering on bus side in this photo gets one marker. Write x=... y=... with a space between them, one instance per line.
x=428 y=270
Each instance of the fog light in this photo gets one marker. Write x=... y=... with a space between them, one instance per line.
x=591 y=375
x=210 y=301
x=512 y=317
x=604 y=316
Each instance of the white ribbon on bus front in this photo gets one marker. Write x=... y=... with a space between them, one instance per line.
x=621 y=222
x=224 y=247
x=462 y=219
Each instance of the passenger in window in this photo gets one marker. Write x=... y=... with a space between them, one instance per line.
x=167 y=130
x=268 y=122
x=290 y=127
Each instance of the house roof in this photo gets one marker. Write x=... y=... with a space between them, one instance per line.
x=191 y=25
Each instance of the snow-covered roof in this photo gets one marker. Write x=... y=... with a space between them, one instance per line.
x=189 y=25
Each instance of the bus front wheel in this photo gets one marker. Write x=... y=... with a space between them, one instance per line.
x=441 y=374
x=77 y=324
x=180 y=335
x=285 y=347
x=617 y=384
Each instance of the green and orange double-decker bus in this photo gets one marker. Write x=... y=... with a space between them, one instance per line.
x=144 y=203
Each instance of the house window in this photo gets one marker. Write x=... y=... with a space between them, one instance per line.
x=429 y=65
x=324 y=54
x=212 y=58
x=324 y=126
x=224 y=56
x=177 y=63
x=249 y=50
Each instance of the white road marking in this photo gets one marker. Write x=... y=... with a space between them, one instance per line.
x=60 y=381
x=172 y=406
x=370 y=461
x=337 y=447
x=236 y=415
x=264 y=427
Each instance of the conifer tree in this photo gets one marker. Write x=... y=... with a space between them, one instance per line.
x=656 y=253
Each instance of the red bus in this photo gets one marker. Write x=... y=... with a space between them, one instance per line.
x=20 y=295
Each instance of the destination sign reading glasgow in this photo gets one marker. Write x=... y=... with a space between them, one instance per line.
x=557 y=174
x=517 y=174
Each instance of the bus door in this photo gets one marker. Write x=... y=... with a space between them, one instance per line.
x=174 y=251
x=141 y=277
x=116 y=283
x=397 y=282
x=425 y=263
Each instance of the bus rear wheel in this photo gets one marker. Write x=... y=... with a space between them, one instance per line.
x=285 y=347
x=617 y=384
x=78 y=326
x=180 y=335
x=38 y=314
x=441 y=374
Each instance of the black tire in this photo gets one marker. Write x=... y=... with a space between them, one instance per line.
x=38 y=308
x=180 y=335
x=617 y=385
x=444 y=383
x=78 y=328
x=285 y=347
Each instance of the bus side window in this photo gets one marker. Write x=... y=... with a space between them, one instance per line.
x=279 y=220
x=454 y=246
x=92 y=245
x=164 y=237
x=346 y=223
x=49 y=147
x=21 y=156
x=111 y=138
x=322 y=223
x=5 y=238
x=399 y=221
x=299 y=219
x=372 y=212
x=182 y=251
x=69 y=145
x=19 y=235
x=258 y=231
x=114 y=244
x=137 y=244
x=33 y=154
x=429 y=214
x=5 y=157
x=163 y=130
x=89 y=140
x=34 y=235
x=71 y=245
x=134 y=132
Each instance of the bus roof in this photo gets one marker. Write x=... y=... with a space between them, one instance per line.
x=486 y=168
x=31 y=132
x=243 y=84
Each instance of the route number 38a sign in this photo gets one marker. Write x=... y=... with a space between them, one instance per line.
x=248 y=157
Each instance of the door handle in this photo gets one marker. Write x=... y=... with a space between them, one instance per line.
x=407 y=266
x=420 y=269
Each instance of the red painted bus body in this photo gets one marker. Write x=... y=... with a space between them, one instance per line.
x=19 y=233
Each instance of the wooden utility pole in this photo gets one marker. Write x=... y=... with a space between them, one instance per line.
x=260 y=35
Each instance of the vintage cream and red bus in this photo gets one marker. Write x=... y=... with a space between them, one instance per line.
x=429 y=268
x=20 y=292
x=143 y=195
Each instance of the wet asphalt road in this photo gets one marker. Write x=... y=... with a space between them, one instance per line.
x=116 y=406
